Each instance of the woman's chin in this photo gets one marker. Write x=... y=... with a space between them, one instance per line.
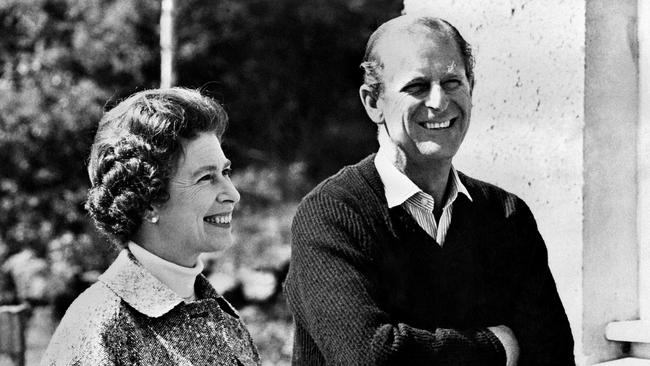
x=219 y=244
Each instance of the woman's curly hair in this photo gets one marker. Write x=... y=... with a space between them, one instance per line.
x=136 y=150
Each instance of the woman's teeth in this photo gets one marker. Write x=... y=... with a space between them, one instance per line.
x=219 y=219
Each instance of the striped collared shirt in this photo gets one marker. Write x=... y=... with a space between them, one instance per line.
x=400 y=190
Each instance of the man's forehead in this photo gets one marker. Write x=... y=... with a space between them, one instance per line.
x=404 y=39
x=402 y=47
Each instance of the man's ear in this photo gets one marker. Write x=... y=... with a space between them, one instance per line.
x=370 y=103
x=151 y=215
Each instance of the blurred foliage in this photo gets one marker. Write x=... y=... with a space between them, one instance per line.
x=272 y=332
x=249 y=274
x=287 y=72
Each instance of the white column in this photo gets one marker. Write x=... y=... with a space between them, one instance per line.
x=643 y=160
x=167 y=44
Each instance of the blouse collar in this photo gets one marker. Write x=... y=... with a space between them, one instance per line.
x=136 y=286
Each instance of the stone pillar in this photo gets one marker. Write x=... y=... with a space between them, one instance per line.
x=610 y=257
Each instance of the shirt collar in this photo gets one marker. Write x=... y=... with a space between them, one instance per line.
x=460 y=187
x=130 y=281
x=398 y=187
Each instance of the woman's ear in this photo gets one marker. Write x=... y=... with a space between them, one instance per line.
x=370 y=101
x=151 y=215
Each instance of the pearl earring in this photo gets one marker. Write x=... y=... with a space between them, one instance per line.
x=154 y=220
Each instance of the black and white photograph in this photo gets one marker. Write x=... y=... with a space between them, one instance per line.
x=325 y=182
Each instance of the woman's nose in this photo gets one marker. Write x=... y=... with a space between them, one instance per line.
x=229 y=193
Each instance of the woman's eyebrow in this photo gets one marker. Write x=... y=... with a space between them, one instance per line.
x=211 y=167
x=205 y=168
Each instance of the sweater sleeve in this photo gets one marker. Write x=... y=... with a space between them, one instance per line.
x=538 y=319
x=331 y=293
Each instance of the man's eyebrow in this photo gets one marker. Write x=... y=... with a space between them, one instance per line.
x=453 y=74
x=407 y=79
x=416 y=77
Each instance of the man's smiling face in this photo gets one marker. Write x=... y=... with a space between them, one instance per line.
x=426 y=99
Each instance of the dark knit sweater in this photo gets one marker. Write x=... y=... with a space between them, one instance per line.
x=368 y=286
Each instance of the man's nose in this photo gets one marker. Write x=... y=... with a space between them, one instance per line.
x=229 y=194
x=437 y=99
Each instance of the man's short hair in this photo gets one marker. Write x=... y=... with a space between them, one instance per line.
x=373 y=66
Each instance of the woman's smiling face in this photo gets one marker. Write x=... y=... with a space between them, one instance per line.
x=197 y=216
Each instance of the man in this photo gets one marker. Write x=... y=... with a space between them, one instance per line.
x=402 y=260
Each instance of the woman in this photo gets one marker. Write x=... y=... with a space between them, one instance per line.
x=161 y=189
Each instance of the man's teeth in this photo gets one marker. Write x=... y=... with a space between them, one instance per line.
x=219 y=219
x=436 y=125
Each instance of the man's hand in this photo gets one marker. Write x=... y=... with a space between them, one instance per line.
x=509 y=342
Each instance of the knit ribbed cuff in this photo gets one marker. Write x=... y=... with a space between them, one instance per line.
x=485 y=336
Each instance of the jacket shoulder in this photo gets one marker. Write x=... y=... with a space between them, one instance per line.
x=80 y=338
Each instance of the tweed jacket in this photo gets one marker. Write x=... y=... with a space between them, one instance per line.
x=130 y=318
x=368 y=286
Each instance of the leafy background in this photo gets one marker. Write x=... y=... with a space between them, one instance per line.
x=285 y=70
